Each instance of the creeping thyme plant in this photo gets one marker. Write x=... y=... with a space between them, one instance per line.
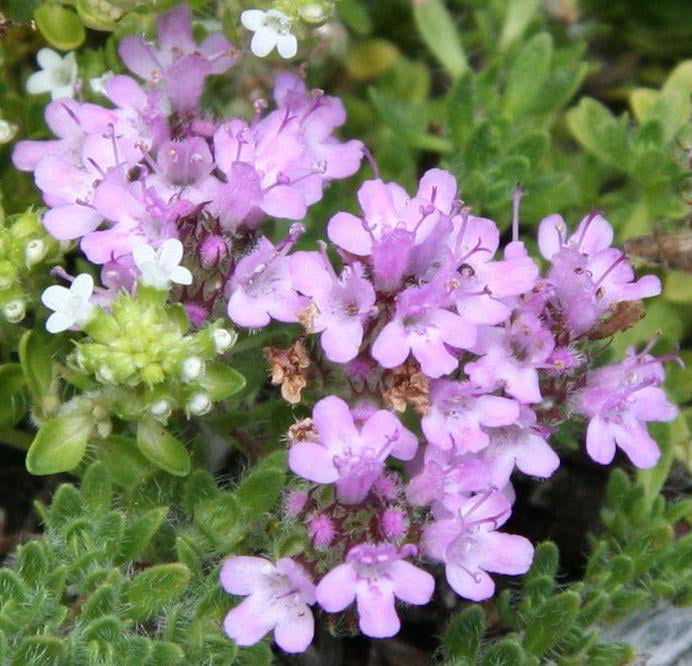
x=288 y=380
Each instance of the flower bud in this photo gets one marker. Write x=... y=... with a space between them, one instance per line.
x=192 y=368
x=7 y=131
x=34 y=252
x=212 y=251
x=321 y=531
x=394 y=524
x=313 y=12
x=161 y=409
x=8 y=274
x=14 y=310
x=223 y=339
x=199 y=404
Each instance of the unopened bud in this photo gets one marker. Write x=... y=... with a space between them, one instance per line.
x=192 y=368
x=161 y=409
x=313 y=13
x=199 y=404
x=7 y=131
x=14 y=311
x=212 y=251
x=223 y=339
x=34 y=252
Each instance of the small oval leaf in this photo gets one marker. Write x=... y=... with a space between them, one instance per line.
x=161 y=448
x=60 y=26
x=59 y=445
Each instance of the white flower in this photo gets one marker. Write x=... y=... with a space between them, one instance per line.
x=97 y=83
x=223 y=339
x=199 y=404
x=14 y=310
x=192 y=368
x=159 y=267
x=7 y=131
x=57 y=75
x=272 y=29
x=71 y=306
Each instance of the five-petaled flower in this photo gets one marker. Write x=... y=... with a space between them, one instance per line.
x=57 y=76
x=272 y=29
x=72 y=307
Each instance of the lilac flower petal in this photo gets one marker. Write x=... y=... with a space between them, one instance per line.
x=455 y=331
x=334 y=423
x=600 y=441
x=246 y=311
x=636 y=442
x=346 y=231
x=535 y=457
x=309 y=273
x=341 y=343
x=651 y=404
x=391 y=347
x=139 y=58
x=241 y=574
x=284 y=202
x=478 y=587
x=377 y=616
x=337 y=589
x=312 y=462
x=250 y=621
x=551 y=235
x=438 y=187
x=411 y=584
x=494 y=411
x=593 y=234
x=435 y=360
x=185 y=81
x=70 y=221
x=174 y=30
x=505 y=553
x=295 y=633
x=125 y=92
x=482 y=309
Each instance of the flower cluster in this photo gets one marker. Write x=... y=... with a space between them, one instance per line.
x=492 y=354
x=154 y=166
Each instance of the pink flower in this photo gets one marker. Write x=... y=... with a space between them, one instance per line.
x=469 y=545
x=278 y=598
x=618 y=400
x=350 y=456
x=373 y=576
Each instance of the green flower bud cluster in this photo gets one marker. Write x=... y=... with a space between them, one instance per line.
x=143 y=347
x=24 y=246
x=313 y=12
x=103 y=14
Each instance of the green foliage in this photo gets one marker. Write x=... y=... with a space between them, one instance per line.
x=77 y=595
x=634 y=561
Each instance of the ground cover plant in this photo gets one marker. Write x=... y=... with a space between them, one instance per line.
x=335 y=331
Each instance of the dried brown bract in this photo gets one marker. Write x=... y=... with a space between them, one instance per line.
x=623 y=316
x=302 y=431
x=670 y=250
x=288 y=368
x=406 y=384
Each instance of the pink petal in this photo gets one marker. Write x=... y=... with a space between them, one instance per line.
x=341 y=342
x=246 y=311
x=535 y=457
x=71 y=221
x=346 y=231
x=593 y=234
x=377 y=616
x=411 y=584
x=476 y=588
x=505 y=553
x=249 y=622
x=309 y=273
x=444 y=186
x=295 y=633
x=600 y=441
x=337 y=589
x=552 y=234
x=636 y=442
x=241 y=574
x=494 y=411
x=391 y=345
x=174 y=30
x=334 y=422
x=313 y=462
x=139 y=58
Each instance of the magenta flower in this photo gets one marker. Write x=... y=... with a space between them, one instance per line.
x=340 y=305
x=457 y=412
x=261 y=288
x=469 y=545
x=511 y=356
x=423 y=327
x=587 y=274
x=374 y=576
x=279 y=596
x=349 y=455
x=521 y=444
x=179 y=65
x=618 y=400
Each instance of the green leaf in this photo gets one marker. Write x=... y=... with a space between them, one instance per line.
x=436 y=26
x=103 y=601
x=221 y=381
x=506 y=652
x=600 y=133
x=139 y=532
x=518 y=16
x=460 y=108
x=32 y=563
x=66 y=505
x=108 y=628
x=164 y=653
x=60 y=26
x=12 y=586
x=150 y=591
x=218 y=519
x=549 y=622
x=40 y=651
x=161 y=448
x=463 y=634
x=96 y=487
x=59 y=445
x=124 y=461
x=35 y=357
x=259 y=491
x=528 y=73
x=545 y=560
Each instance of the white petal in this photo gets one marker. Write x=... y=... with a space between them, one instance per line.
x=263 y=42
x=142 y=254
x=171 y=252
x=49 y=59
x=83 y=286
x=287 y=46
x=59 y=322
x=181 y=275
x=253 y=19
x=275 y=13
x=61 y=92
x=39 y=82
x=56 y=297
